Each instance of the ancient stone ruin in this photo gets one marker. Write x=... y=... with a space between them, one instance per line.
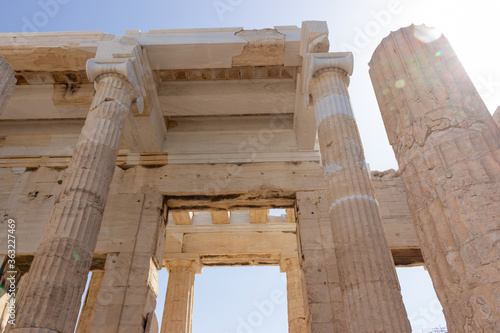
x=122 y=155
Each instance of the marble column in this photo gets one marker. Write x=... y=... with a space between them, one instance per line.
x=297 y=314
x=7 y=83
x=496 y=116
x=51 y=298
x=368 y=280
x=178 y=310
x=448 y=150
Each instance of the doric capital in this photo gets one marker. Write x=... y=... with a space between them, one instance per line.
x=318 y=63
x=192 y=264
x=125 y=57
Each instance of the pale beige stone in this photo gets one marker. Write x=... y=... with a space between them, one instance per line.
x=128 y=291
x=314 y=38
x=178 y=310
x=496 y=116
x=258 y=215
x=297 y=311
x=448 y=151
x=220 y=216
x=239 y=242
x=127 y=295
x=290 y=215
x=224 y=142
x=319 y=263
x=87 y=313
x=79 y=95
x=65 y=252
x=7 y=83
x=122 y=209
x=369 y=284
x=264 y=47
x=182 y=218
x=396 y=218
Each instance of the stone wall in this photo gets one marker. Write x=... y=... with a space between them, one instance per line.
x=7 y=83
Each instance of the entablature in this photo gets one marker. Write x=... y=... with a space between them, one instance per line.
x=229 y=73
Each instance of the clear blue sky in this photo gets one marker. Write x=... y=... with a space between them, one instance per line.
x=471 y=26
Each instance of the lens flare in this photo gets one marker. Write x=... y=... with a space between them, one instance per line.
x=438 y=53
x=427 y=34
x=386 y=91
x=400 y=83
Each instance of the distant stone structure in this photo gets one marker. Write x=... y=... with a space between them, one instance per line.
x=121 y=155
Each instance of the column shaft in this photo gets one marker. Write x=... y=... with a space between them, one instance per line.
x=178 y=310
x=297 y=314
x=496 y=116
x=51 y=298
x=370 y=288
x=448 y=150
x=7 y=83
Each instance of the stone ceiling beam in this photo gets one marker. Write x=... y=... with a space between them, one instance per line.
x=182 y=218
x=290 y=215
x=220 y=216
x=258 y=215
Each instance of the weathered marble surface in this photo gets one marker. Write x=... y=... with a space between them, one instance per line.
x=7 y=83
x=448 y=149
x=496 y=116
x=58 y=274
x=368 y=280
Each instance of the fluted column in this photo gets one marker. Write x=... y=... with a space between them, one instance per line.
x=448 y=150
x=178 y=310
x=51 y=298
x=297 y=313
x=7 y=83
x=369 y=284
x=496 y=116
